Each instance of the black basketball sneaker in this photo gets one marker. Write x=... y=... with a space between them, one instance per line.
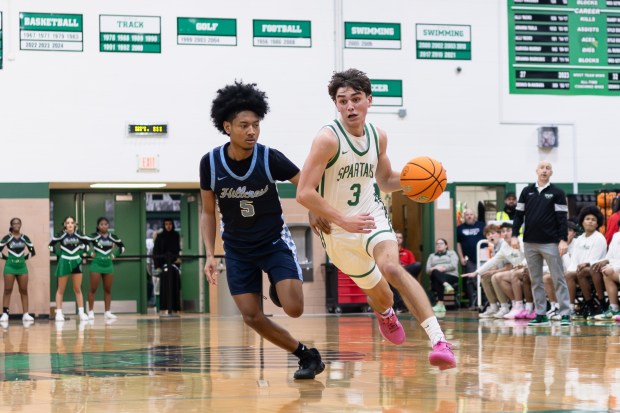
x=310 y=364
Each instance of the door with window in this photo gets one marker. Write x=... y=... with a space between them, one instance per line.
x=125 y=212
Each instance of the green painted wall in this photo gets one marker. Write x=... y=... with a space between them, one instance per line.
x=19 y=190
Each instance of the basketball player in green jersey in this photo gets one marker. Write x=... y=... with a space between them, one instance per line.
x=347 y=159
x=19 y=249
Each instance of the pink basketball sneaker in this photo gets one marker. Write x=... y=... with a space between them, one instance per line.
x=390 y=328
x=522 y=315
x=442 y=356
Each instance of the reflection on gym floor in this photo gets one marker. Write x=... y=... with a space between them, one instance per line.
x=216 y=364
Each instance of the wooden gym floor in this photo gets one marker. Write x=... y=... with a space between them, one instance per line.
x=216 y=364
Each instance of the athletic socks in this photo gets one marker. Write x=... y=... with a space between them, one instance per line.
x=300 y=350
x=433 y=330
x=5 y=310
x=529 y=307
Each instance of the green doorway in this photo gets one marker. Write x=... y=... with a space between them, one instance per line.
x=124 y=212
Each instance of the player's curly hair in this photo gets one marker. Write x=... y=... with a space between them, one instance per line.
x=235 y=98
x=591 y=210
x=353 y=78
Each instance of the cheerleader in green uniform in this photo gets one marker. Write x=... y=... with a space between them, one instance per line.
x=103 y=244
x=72 y=248
x=19 y=248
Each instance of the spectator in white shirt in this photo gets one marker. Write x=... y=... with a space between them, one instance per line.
x=590 y=247
x=610 y=268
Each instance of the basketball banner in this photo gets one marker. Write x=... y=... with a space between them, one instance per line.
x=51 y=32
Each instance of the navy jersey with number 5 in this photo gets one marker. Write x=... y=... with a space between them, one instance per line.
x=246 y=193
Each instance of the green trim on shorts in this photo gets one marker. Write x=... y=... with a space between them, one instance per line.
x=374 y=235
x=365 y=274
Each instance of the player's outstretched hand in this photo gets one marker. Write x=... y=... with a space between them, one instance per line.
x=318 y=223
x=359 y=224
x=211 y=270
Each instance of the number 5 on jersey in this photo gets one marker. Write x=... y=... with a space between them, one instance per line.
x=247 y=208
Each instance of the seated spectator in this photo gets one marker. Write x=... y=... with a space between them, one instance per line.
x=442 y=268
x=502 y=280
x=522 y=289
x=407 y=260
x=610 y=268
x=492 y=266
x=589 y=248
x=612 y=221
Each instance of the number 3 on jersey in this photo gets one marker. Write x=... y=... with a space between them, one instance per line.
x=357 y=189
x=247 y=208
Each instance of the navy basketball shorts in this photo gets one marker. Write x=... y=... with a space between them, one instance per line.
x=244 y=268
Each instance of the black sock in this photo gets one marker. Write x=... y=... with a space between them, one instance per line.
x=5 y=310
x=300 y=350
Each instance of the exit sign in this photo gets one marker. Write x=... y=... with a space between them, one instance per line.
x=148 y=163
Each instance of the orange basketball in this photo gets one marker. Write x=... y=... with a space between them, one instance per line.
x=423 y=179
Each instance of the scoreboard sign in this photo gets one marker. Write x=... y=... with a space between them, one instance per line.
x=282 y=33
x=206 y=31
x=564 y=47
x=51 y=32
x=147 y=129
x=129 y=34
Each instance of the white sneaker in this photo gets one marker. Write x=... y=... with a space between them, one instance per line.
x=513 y=313
x=91 y=315
x=5 y=317
x=83 y=317
x=110 y=321
x=59 y=316
x=109 y=316
x=489 y=313
x=27 y=317
x=553 y=311
x=448 y=289
x=502 y=312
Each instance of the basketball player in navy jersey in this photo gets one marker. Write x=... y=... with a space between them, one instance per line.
x=241 y=176
x=348 y=159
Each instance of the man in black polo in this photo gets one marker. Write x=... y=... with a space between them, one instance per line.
x=543 y=206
